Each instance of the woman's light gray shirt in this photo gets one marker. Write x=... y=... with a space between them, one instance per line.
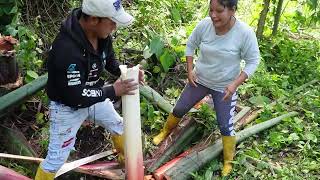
x=220 y=56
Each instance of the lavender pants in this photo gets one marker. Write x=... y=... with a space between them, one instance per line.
x=224 y=109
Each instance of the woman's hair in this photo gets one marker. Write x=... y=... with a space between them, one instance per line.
x=231 y=4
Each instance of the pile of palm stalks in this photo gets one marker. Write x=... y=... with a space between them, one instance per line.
x=169 y=160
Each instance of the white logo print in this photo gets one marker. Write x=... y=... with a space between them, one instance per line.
x=94 y=66
x=91 y=93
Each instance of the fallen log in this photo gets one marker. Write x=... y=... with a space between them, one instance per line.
x=194 y=161
x=9 y=174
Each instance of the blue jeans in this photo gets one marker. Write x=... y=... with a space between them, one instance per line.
x=65 y=123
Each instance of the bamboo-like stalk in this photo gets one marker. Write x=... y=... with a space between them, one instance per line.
x=16 y=96
x=196 y=160
x=132 y=127
x=155 y=98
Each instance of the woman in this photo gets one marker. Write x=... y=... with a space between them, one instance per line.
x=223 y=41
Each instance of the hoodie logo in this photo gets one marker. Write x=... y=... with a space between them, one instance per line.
x=117 y=5
x=71 y=68
x=94 y=66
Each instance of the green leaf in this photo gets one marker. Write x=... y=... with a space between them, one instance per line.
x=156 y=46
x=259 y=100
x=7 y=9
x=175 y=15
x=293 y=137
x=156 y=69
x=167 y=60
x=14 y=10
x=32 y=74
x=174 y=41
x=311 y=137
x=12 y=31
x=40 y=118
x=208 y=175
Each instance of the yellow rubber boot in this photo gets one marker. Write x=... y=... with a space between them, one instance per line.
x=118 y=144
x=229 y=146
x=171 y=123
x=43 y=175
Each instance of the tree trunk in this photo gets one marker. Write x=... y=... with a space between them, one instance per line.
x=277 y=17
x=262 y=19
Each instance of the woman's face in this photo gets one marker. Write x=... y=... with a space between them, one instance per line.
x=220 y=15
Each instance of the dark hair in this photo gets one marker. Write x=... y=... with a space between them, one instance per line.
x=84 y=15
x=228 y=3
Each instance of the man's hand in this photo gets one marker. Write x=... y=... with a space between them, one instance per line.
x=125 y=87
x=229 y=91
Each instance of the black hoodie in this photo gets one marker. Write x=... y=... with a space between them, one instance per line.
x=74 y=67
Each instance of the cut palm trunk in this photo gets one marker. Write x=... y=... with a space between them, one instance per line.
x=9 y=174
x=132 y=127
x=179 y=138
x=194 y=161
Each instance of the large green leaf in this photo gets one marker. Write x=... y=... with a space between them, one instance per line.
x=259 y=100
x=167 y=59
x=156 y=46
x=32 y=74
x=175 y=15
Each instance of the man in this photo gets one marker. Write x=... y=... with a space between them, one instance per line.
x=79 y=54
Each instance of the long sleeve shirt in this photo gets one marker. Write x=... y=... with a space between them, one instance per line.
x=219 y=58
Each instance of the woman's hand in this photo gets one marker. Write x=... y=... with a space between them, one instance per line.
x=192 y=78
x=141 y=76
x=229 y=91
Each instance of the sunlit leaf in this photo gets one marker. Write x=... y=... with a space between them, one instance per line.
x=167 y=60
x=156 y=46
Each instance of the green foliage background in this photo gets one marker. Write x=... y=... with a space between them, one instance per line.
x=290 y=59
